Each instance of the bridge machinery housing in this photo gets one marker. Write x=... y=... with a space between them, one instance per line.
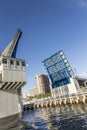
x=12 y=79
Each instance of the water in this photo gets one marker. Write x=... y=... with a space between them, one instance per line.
x=69 y=117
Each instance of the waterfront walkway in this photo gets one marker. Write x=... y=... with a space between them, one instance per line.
x=80 y=97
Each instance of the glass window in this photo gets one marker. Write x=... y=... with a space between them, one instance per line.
x=65 y=60
x=17 y=63
x=48 y=62
x=61 y=52
x=52 y=69
x=4 y=61
x=56 y=58
x=63 y=56
x=11 y=62
x=67 y=64
x=23 y=63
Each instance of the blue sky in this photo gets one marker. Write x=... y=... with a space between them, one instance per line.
x=47 y=26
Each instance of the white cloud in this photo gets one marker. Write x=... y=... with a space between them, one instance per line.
x=84 y=74
x=82 y=3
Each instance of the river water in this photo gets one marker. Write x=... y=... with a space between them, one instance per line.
x=68 y=117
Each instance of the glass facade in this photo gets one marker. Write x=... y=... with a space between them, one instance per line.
x=58 y=69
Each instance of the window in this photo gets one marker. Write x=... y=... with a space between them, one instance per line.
x=4 y=61
x=17 y=63
x=23 y=63
x=11 y=62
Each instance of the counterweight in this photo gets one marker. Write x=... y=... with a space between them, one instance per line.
x=10 y=50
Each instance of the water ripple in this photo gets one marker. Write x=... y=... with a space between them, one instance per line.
x=69 y=117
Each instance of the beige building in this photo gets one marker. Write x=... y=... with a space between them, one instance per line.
x=33 y=91
x=24 y=95
x=42 y=84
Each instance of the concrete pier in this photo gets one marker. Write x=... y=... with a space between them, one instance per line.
x=9 y=103
x=57 y=102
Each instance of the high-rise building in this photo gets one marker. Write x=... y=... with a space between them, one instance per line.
x=42 y=84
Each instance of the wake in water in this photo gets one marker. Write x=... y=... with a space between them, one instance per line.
x=68 y=117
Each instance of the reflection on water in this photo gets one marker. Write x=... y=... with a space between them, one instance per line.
x=69 y=117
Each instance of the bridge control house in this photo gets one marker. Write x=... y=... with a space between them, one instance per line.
x=12 y=73
x=12 y=78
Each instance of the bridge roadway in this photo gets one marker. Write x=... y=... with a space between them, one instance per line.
x=80 y=97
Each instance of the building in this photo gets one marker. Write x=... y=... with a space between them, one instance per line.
x=42 y=84
x=24 y=95
x=82 y=82
x=12 y=79
x=62 y=77
x=33 y=91
x=66 y=90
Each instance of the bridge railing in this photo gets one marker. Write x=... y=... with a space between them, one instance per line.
x=80 y=93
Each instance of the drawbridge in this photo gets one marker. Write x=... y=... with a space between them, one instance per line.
x=12 y=70
x=12 y=79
